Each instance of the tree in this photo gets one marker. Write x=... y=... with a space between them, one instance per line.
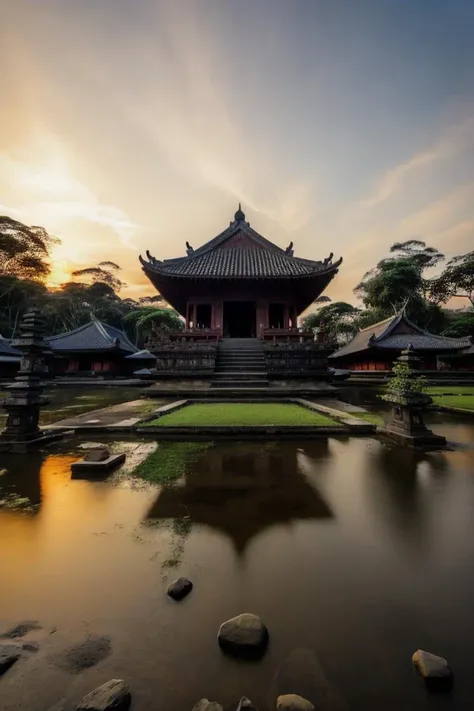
x=336 y=320
x=398 y=282
x=152 y=300
x=147 y=319
x=417 y=252
x=461 y=327
x=103 y=273
x=16 y=295
x=24 y=251
x=457 y=280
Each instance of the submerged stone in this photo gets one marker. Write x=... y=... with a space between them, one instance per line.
x=84 y=655
x=293 y=702
x=243 y=636
x=179 y=588
x=9 y=654
x=114 y=695
x=21 y=629
x=206 y=705
x=302 y=674
x=246 y=705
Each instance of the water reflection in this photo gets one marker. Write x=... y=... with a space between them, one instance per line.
x=241 y=490
x=20 y=481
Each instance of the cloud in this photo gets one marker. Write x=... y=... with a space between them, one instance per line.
x=44 y=190
x=399 y=178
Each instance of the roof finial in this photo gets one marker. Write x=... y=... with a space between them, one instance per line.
x=239 y=215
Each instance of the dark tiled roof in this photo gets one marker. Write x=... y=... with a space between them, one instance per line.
x=384 y=335
x=93 y=336
x=241 y=262
x=253 y=257
x=7 y=350
x=428 y=341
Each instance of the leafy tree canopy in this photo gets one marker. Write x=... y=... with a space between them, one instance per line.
x=103 y=273
x=462 y=326
x=457 y=280
x=24 y=251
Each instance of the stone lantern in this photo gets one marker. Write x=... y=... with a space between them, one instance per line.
x=409 y=402
x=25 y=398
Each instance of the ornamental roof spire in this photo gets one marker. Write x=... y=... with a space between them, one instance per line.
x=239 y=215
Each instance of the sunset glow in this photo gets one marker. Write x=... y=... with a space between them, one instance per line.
x=331 y=123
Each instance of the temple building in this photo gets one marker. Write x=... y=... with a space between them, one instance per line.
x=239 y=284
x=377 y=346
x=94 y=348
x=9 y=359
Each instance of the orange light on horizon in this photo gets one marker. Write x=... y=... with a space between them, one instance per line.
x=60 y=274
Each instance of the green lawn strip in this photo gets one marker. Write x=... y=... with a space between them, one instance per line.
x=450 y=389
x=371 y=417
x=462 y=402
x=242 y=414
x=169 y=461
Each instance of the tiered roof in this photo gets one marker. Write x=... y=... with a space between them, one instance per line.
x=238 y=253
x=93 y=336
x=398 y=333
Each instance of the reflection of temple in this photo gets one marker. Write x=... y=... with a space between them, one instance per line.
x=241 y=489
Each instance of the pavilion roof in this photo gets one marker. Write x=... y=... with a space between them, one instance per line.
x=6 y=350
x=93 y=336
x=239 y=252
x=397 y=333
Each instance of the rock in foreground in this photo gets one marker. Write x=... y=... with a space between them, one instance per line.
x=434 y=670
x=179 y=588
x=246 y=705
x=9 y=654
x=206 y=705
x=114 y=695
x=293 y=702
x=243 y=636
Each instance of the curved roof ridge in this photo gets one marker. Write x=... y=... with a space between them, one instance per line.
x=229 y=232
x=68 y=333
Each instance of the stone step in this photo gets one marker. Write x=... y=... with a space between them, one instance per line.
x=239 y=383
x=241 y=361
x=240 y=376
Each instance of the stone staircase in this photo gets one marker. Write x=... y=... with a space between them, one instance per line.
x=240 y=364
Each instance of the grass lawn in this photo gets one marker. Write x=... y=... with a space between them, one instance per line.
x=229 y=414
x=463 y=402
x=371 y=417
x=454 y=389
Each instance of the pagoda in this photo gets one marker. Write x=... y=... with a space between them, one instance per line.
x=239 y=284
x=25 y=399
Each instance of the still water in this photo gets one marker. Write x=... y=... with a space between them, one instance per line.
x=357 y=552
x=69 y=402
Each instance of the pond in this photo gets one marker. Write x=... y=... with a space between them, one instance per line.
x=352 y=549
x=68 y=402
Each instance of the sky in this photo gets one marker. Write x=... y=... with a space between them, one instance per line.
x=341 y=125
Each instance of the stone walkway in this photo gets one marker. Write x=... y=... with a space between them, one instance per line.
x=124 y=415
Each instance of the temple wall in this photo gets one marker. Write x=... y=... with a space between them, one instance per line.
x=262 y=305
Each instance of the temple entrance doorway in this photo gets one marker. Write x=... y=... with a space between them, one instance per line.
x=240 y=319
x=276 y=316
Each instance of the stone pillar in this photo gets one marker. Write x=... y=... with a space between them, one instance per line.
x=25 y=396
